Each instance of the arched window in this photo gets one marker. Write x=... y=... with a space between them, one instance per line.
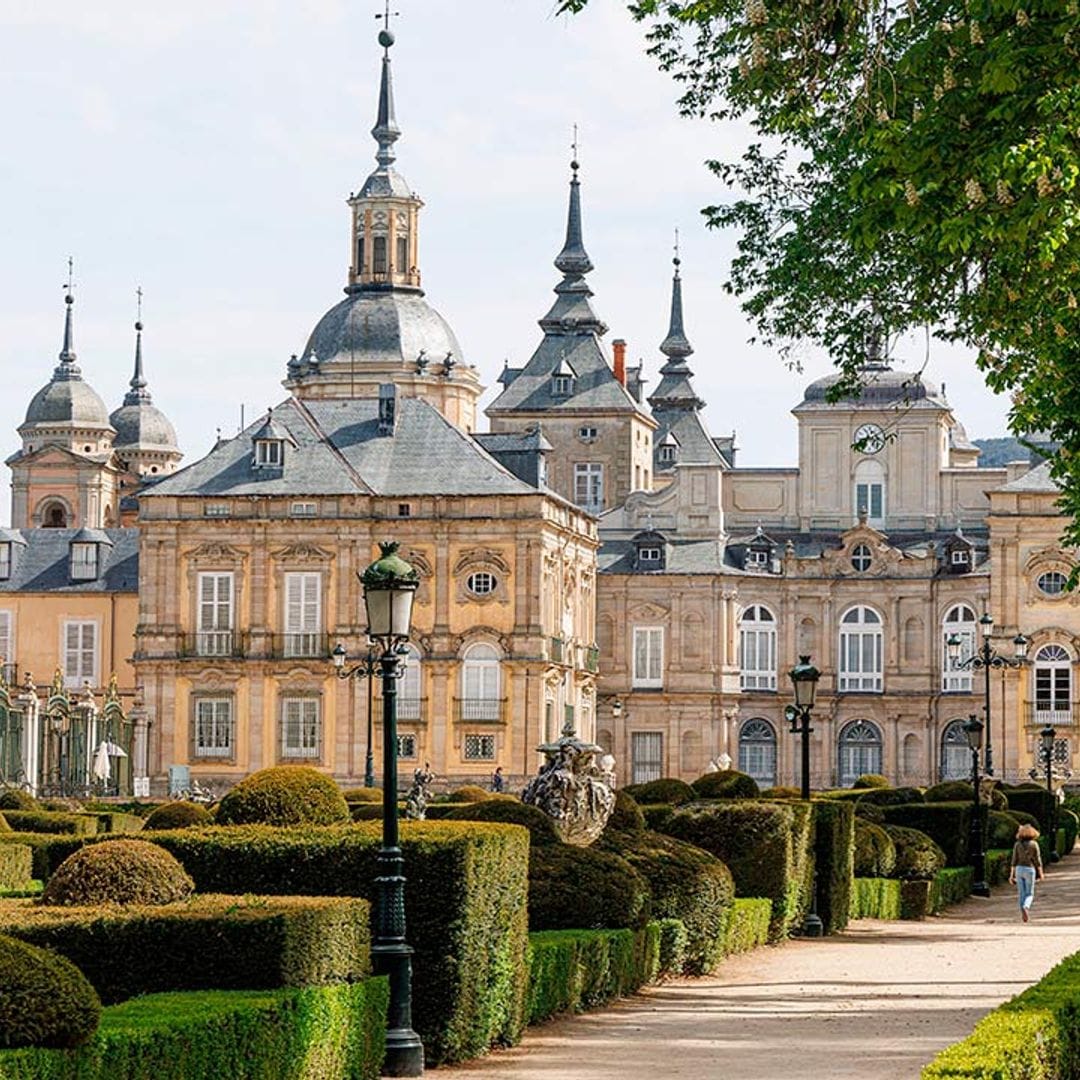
x=757 y=648
x=1053 y=686
x=757 y=751
x=959 y=620
x=410 y=689
x=870 y=492
x=955 y=752
x=54 y=516
x=861 y=650
x=860 y=751
x=481 y=683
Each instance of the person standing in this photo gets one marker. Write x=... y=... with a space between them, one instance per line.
x=497 y=780
x=1027 y=867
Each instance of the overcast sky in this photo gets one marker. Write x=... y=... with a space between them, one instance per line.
x=205 y=149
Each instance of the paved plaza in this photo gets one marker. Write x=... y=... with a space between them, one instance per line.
x=876 y=1002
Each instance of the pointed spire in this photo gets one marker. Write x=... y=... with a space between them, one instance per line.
x=675 y=390
x=676 y=345
x=573 y=260
x=67 y=352
x=386 y=131
x=138 y=394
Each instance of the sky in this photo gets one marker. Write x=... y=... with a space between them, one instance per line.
x=204 y=152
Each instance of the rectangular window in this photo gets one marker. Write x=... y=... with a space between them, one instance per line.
x=561 y=385
x=215 y=616
x=402 y=255
x=479 y=747
x=5 y=560
x=300 y=728
x=7 y=645
x=216 y=510
x=959 y=679
x=960 y=557
x=303 y=615
x=757 y=658
x=404 y=510
x=871 y=498
x=861 y=661
x=406 y=746
x=589 y=486
x=84 y=562
x=649 y=554
x=303 y=509
x=648 y=656
x=757 y=558
x=214 y=735
x=646 y=756
x=359 y=254
x=80 y=654
x=268 y=452
x=378 y=262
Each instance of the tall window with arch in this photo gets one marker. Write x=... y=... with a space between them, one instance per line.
x=757 y=751
x=870 y=492
x=1053 y=686
x=481 y=683
x=955 y=752
x=859 y=751
x=757 y=648
x=959 y=620
x=862 y=649
x=410 y=690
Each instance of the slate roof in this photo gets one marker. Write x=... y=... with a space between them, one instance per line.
x=696 y=445
x=687 y=557
x=339 y=452
x=42 y=562
x=1037 y=481
x=882 y=387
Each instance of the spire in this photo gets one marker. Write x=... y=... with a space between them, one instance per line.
x=138 y=394
x=573 y=259
x=675 y=345
x=675 y=390
x=386 y=131
x=67 y=368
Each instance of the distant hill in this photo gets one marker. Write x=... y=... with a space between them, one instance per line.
x=997 y=452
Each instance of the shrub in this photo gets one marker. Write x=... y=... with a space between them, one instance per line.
x=510 y=812
x=1001 y=829
x=116 y=822
x=48 y=850
x=870 y=812
x=765 y=845
x=687 y=884
x=947 y=824
x=312 y=1034
x=834 y=860
x=871 y=780
x=875 y=898
x=212 y=943
x=44 y=821
x=656 y=815
x=890 y=796
x=284 y=795
x=46 y=1000
x=16 y=865
x=470 y=793
x=781 y=792
x=672 y=946
x=917 y=856
x=4 y=826
x=576 y=888
x=17 y=799
x=1070 y=822
x=178 y=815
x=962 y=791
x=666 y=790
x=950 y=886
x=728 y=784
x=118 y=872
x=875 y=852
x=748 y=926
x=362 y=795
x=1032 y=799
x=626 y=816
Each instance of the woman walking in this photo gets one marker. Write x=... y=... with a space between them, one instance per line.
x=1027 y=867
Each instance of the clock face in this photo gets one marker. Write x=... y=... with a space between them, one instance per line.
x=869 y=439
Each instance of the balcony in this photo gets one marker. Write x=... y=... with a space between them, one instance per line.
x=224 y=644
x=481 y=710
x=303 y=646
x=1057 y=714
x=411 y=709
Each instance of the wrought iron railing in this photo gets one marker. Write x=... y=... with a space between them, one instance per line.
x=219 y=643
x=302 y=646
x=1054 y=713
x=481 y=710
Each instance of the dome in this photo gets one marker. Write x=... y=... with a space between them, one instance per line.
x=882 y=386
x=143 y=426
x=67 y=400
x=382 y=326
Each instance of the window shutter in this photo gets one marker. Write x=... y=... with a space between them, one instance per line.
x=5 y=638
x=294 y=589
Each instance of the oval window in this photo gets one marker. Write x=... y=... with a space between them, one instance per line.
x=481 y=583
x=861 y=557
x=1052 y=583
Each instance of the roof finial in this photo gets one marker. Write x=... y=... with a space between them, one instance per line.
x=677 y=261
x=573 y=260
x=67 y=352
x=386 y=131
x=138 y=394
x=676 y=345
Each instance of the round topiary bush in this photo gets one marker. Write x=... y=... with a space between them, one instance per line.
x=118 y=872
x=179 y=815
x=16 y=799
x=962 y=791
x=284 y=795
x=870 y=812
x=871 y=780
x=45 y=999
x=470 y=793
x=510 y=812
x=891 y=796
x=576 y=888
x=686 y=883
x=665 y=790
x=781 y=792
x=875 y=852
x=728 y=784
x=626 y=817
x=1001 y=826
x=917 y=856
x=363 y=795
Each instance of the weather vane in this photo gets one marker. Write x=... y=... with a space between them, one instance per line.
x=387 y=15
x=677 y=259
x=574 y=145
x=138 y=293
x=71 y=276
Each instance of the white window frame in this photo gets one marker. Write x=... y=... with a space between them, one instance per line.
x=215 y=612
x=757 y=557
x=862 y=558
x=757 y=648
x=758 y=752
x=7 y=641
x=302 y=614
x=217 y=510
x=479 y=744
x=855 y=759
x=960 y=557
x=1059 y=578
x=650 y=554
x=484 y=578
x=646 y=756
x=84 y=561
x=410 y=691
x=301 y=727
x=960 y=620
x=648 y=657
x=213 y=716
x=481 y=682
x=5 y=559
x=869 y=492
x=562 y=385
x=1052 y=685
x=304 y=509
x=862 y=652
x=269 y=452
x=80 y=658
x=589 y=485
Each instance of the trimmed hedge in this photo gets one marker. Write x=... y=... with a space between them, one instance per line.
x=765 y=845
x=781 y=792
x=918 y=858
x=875 y=898
x=17 y=799
x=875 y=852
x=48 y=850
x=998 y=865
x=1070 y=822
x=947 y=824
x=1001 y=829
x=110 y=821
x=687 y=884
x=363 y=795
x=469 y=793
x=626 y=816
x=1032 y=799
x=656 y=815
x=962 y=791
x=179 y=815
x=585 y=888
x=748 y=926
x=572 y=970
x=16 y=865
x=45 y=821
x=509 y=812
x=834 y=861
x=883 y=898
x=318 y=1033
x=665 y=790
x=890 y=796
x=118 y=872
x=673 y=941
x=950 y=886
x=728 y=784
x=1035 y=1035
x=465 y=907
x=284 y=795
x=212 y=943
x=870 y=780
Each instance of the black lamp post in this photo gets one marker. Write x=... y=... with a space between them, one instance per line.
x=1046 y=751
x=389 y=588
x=973 y=729
x=365 y=669
x=986 y=657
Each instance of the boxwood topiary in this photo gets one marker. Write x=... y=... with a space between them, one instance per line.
x=1001 y=828
x=890 y=796
x=363 y=795
x=781 y=792
x=947 y=824
x=962 y=791
x=284 y=795
x=917 y=856
x=875 y=852
x=16 y=799
x=687 y=884
x=871 y=780
x=870 y=812
x=118 y=872
x=578 y=888
x=179 y=815
x=4 y=826
x=509 y=812
x=45 y=1001
x=626 y=817
x=469 y=793
x=665 y=790
x=727 y=784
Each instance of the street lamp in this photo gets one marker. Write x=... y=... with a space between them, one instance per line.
x=365 y=669
x=986 y=657
x=973 y=729
x=1046 y=748
x=804 y=677
x=389 y=589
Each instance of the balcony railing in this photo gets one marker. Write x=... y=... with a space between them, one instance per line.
x=302 y=646
x=410 y=708
x=481 y=710
x=220 y=643
x=1056 y=714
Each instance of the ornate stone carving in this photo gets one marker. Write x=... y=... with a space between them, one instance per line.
x=481 y=557
x=302 y=553
x=417 y=799
x=214 y=552
x=574 y=788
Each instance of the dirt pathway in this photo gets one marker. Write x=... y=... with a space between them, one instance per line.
x=874 y=1003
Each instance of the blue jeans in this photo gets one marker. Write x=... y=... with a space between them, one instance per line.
x=1025 y=886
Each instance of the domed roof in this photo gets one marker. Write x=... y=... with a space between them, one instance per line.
x=395 y=326
x=144 y=426
x=881 y=386
x=67 y=400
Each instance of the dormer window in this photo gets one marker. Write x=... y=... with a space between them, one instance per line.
x=5 y=560
x=650 y=550
x=668 y=454
x=757 y=557
x=650 y=554
x=269 y=452
x=960 y=557
x=562 y=385
x=84 y=561
x=269 y=444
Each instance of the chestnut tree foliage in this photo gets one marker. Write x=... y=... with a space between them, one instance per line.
x=918 y=159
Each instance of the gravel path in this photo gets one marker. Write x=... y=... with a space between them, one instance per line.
x=876 y=1002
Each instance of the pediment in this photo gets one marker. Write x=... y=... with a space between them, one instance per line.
x=649 y=611
x=302 y=552
x=481 y=556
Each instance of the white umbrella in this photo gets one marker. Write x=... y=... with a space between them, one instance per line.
x=101 y=769
x=115 y=750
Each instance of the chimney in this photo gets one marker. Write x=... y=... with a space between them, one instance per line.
x=619 y=348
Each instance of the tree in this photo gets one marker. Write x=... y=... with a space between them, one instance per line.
x=917 y=167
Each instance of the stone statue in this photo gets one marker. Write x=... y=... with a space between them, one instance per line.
x=417 y=799
x=574 y=787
